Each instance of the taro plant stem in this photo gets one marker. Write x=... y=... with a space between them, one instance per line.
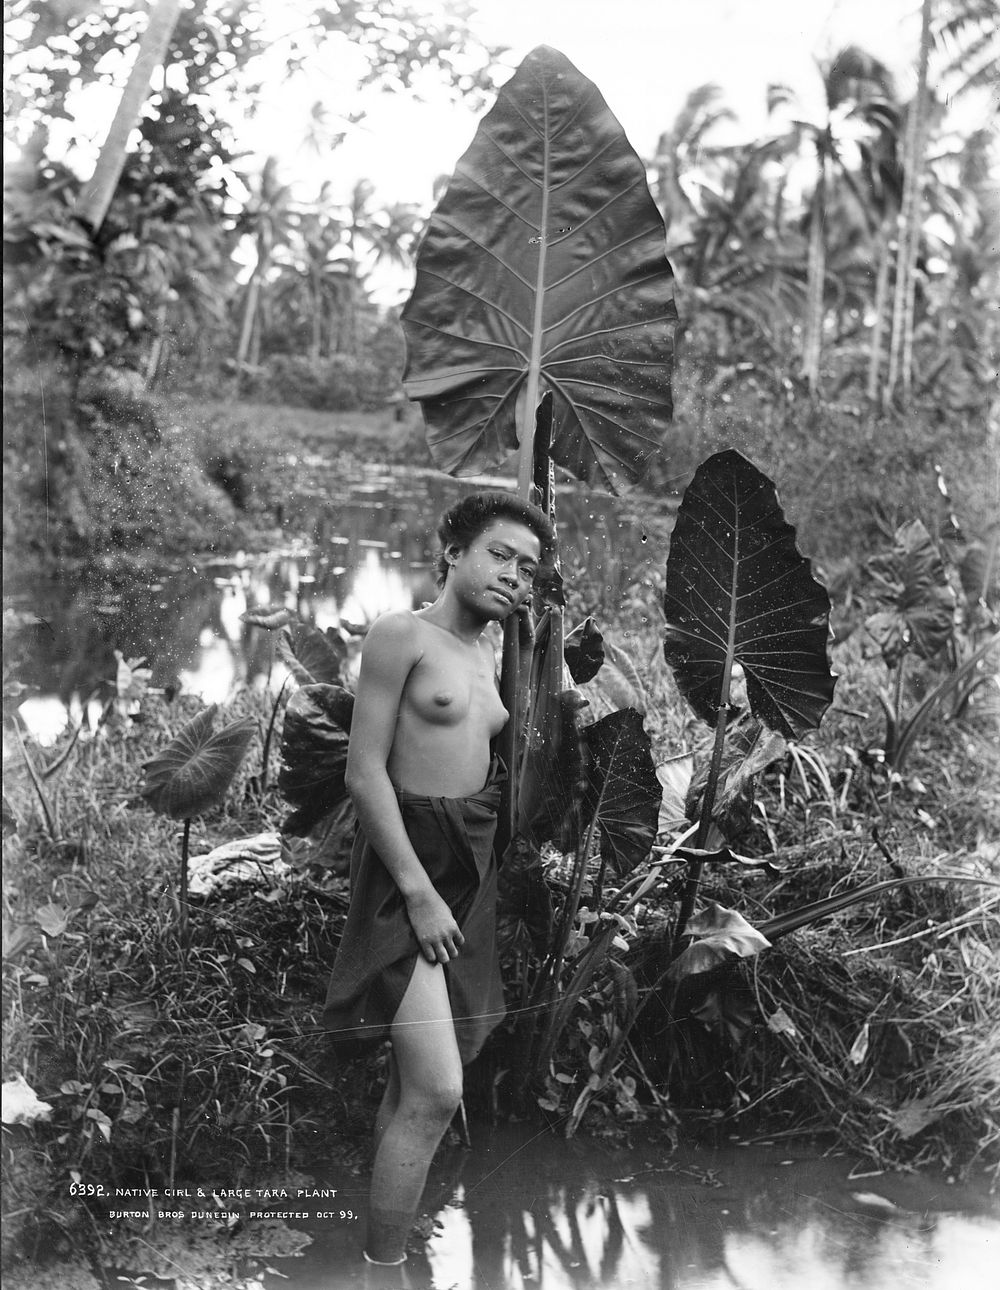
x=49 y=810
x=711 y=785
x=705 y=818
x=897 y=705
x=266 y=755
x=183 y=900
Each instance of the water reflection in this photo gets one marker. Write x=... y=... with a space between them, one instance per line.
x=524 y=1213
x=354 y=550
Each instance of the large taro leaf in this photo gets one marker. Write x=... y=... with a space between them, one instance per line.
x=551 y=763
x=312 y=656
x=542 y=268
x=192 y=773
x=738 y=591
x=918 y=602
x=584 y=651
x=622 y=788
x=314 y=754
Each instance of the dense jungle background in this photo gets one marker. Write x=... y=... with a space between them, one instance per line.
x=194 y=344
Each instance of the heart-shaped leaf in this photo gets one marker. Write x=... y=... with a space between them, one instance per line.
x=738 y=591
x=584 y=651
x=192 y=773
x=131 y=679
x=270 y=619
x=542 y=268
x=552 y=761
x=749 y=749
x=53 y=919
x=622 y=788
x=918 y=601
x=313 y=657
x=720 y=934
x=314 y=754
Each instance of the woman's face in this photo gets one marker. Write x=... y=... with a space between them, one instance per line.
x=495 y=573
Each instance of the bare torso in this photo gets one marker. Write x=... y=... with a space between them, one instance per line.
x=448 y=712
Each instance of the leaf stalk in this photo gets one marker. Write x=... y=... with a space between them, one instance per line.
x=705 y=816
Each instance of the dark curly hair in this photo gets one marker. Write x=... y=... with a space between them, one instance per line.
x=462 y=524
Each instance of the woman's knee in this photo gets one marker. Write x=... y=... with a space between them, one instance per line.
x=433 y=1100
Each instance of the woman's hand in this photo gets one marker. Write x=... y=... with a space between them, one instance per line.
x=434 y=926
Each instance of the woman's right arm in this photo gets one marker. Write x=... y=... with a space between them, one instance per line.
x=391 y=651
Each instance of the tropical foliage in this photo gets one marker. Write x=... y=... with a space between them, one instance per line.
x=633 y=931
x=786 y=246
x=160 y=250
x=493 y=338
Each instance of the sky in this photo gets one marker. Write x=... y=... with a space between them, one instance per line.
x=644 y=55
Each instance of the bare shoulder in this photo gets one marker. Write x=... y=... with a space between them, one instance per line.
x=396 y=636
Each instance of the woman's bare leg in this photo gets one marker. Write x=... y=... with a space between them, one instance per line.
x=389 y=1103
x=430 y=1088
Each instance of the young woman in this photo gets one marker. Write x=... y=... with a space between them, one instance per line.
x=417 y=963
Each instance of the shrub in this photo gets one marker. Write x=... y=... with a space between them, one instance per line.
x=335 y=384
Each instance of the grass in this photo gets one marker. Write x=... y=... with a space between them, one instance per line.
x=160 y=1065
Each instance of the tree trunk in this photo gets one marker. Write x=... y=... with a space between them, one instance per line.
x=881 y=301
x=316 y=291
x=812 y=340
x=95 y=197
x=916 y=213
x=157 y=348
x=901 y=341
x=246 y=328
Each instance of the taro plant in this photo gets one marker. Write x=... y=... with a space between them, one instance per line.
x=746 y=637
x=270 y=620
x=917 y=618
x=191 y=776
x=541 y=324
x=739 y=595
x=314 y=739
x=311 y=657
x=541 y=321
x=129 y=685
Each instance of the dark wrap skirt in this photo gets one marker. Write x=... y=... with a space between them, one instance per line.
x=453 y=837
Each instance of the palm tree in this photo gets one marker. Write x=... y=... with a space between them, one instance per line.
x=95 y=197
x=910 y=220
x=678 y=152
x=959 y=333
x=311 y=288
x=371 y=235
x=858 y=91
x=967 y=35
x=266 y=219
x=881 y=168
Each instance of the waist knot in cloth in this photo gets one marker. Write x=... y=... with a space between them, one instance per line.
x=453 y=838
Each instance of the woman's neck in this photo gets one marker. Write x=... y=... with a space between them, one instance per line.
x=454 y=618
